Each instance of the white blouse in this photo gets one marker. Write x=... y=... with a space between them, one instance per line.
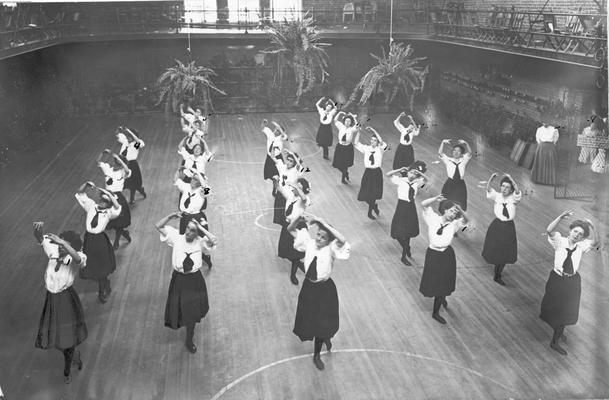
x=373 y=156
x=450 y=162
x=274 y=144
x=434 y=223
x=286 y=174
x=325 y=118
x=115 y=179
x=293 y=200
x=345 y=135
x=325 y=256
x=60 y=280
x=190 y=160
x=561 y=244
x=407 y=133
x=404 y=186
x=103 y=216
x=510 y=204
x=131 y=150
x=182 y=249
x=196 y=197
x=546 y=134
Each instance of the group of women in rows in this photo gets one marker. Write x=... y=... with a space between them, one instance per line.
x=62 y=324
x=560 y=304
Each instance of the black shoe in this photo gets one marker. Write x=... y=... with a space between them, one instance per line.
x=144 y=193
x=438 y=318
x=347 y=177
x=191 y=347
x=294 y=279
x=328 y=344
x=556 y=347
x=499 y=280
x=102 y=298
x=343 y=180
x=132 y=202
x=207 y=259
x=405 y=261
x=318 y=363
x=370 y=215
x=115 y=246
x=76 y=360
x=376 y=210
x=127 y=236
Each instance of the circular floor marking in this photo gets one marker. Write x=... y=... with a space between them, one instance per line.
x=259 y=225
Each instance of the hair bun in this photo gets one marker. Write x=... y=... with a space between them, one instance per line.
x=418 y=166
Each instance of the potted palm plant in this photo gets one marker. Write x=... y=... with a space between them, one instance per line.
x=298 y=49
x=186 y=81
x=398 y=71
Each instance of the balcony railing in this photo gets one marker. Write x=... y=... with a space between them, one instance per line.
x=571 y=37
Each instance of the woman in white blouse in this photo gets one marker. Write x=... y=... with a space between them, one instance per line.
x=187 y=301
x=371 y=188
x=546 y=159
x=274 y=145
x=115 y=182
x=440 y=268
x=404 y=154
x=296 y=201
x=317 y=310
x=343 y=152
x=62 y=323
x=96 y=245
x=500 y=244
x=289 y=169
x=405 y=221
x=454 y=188
x=326 y=108
x=130 y=150
x=197 y=160
x=560 y=304
x=193 y=196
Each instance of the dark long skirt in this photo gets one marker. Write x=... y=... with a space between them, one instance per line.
x=405 y=221
x=404 y=156
x=439 y=273
x=324 y=135
x=124 y=218
x=560 y=304
x=279 y=209
x=270 y=169
x=285 y=248
x=456 y=190
x=343 y=156
x=544 y=165
x=62 y=323
x=135 y=180
x=100 y=256
x=317 y=310
x=500 y=245
x=371 y=187
x=187 y=302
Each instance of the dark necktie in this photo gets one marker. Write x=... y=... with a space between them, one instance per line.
x=290 y=208
x=124 y=152
x=567 y=265
x=109 y=181
x=371 y=158
x=187 y=264
x=95 y=219
x=441 y=229
x=59 y=261
x=312 y=271
x=187 y=202
x=505 y=212
x=457 y=174
x=344 y=138
x=407 y=137
x=283 y=179
x=194 y=165
x=410 y=192
x=271 y=148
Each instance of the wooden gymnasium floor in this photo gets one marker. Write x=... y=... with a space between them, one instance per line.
x=388 y=347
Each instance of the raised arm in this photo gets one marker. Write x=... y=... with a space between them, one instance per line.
x=66 y=245
x=356 y=139
x=109 y=195
x=378 y=137
x=468 y=149
x=594 y=232
x=134 y=136
x=340 y=239
x=516 y=188
x=395 y=171
x=397 y=122
x=163 y=221
x=441 y=148
x=38 y=233
x=318 y=104
x=428 y=202
x=122 y=164
x=100 y=157
x=83 y=188
x=556 y=221
x=211 y=237
x=417 y=128
x=299 y=191
x=490 y=180
x=462 y=214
